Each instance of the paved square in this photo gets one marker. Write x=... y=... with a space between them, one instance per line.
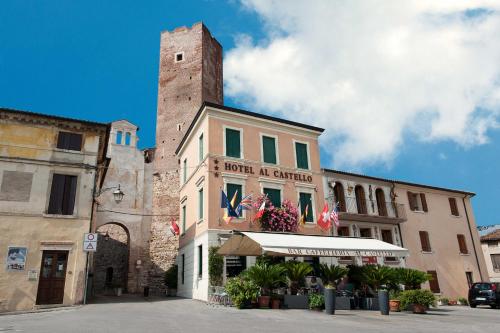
x=130 y=314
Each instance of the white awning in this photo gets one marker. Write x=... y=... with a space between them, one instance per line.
x=293 y=245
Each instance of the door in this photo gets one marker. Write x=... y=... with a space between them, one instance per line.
x=382 y=209
x=52 y=277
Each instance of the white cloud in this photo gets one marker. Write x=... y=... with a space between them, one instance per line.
x=374 y=72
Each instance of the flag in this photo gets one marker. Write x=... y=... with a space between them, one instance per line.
x=174 y=227
x=303 y=217
x=230 y=212
x=334 y=215
x=245 y=203
x=260 y=212
x=324 y=218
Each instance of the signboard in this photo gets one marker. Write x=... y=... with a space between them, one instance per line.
x=16 y=258
x=268 y=172
x=333 y=252
x=90 y=242
x=369 y=260
x=32 y=275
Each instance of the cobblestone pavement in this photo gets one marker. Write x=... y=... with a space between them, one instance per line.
x=133 y=314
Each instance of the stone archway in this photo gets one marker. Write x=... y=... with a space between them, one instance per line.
x=111 y=260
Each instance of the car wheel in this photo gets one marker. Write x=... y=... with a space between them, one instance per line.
x=473 y=305
x=493 y=306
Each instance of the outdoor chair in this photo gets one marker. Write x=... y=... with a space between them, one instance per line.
x=218 y=296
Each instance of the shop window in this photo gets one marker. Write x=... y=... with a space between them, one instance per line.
x=424 y=241
x=69 y=141
x=338 y=191
x=360 y=199
x=301 y=155
x=269 y=150
x=231 y=189
x=274 y=195
x=433 y=282
x=462 y=244
x=62 y=195
x=453 y=206
x=306 y=202
x=235 y=265
x=200 y=261
x=233 y=143
x=417 y=202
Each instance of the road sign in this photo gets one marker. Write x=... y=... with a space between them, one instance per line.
x=90 y=242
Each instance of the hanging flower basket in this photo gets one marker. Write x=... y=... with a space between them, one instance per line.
x=278 y=219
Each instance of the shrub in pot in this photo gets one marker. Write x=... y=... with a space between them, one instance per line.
x=241 y=291
x=463 y=301
x=420 y=299
x=275 y=301
x=394 y=302
x=411 y=278
x=266 y=277
x=330 y=276
x=377 y=276
x=296 y=272
x=443 y=301
x=316 y=301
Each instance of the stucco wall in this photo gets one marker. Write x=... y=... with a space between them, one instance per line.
x=489 y=249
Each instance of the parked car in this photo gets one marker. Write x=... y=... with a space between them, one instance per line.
x=484 y=293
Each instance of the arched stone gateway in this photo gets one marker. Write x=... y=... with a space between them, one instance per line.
x=111 y=259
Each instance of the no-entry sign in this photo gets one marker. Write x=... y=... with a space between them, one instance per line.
x=90 y=242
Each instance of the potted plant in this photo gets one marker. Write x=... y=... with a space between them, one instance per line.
x=379 y=277
x=266 y=277
x=419 y=299
x=452 y=302
x=171 y=280
x=394 y=302
x=411 y=278
x=296 y=272
x=215 y=266
x=443 y=301
x=275 y=301
x=241 y=291
x=463 y=301
x=316 y=301
x=330 y=276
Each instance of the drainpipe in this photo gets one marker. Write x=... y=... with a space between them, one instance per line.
x=393 y=186
x=472 y=238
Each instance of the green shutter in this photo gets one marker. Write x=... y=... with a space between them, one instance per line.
x=233 y=143
x=200 y=204
x=200 y=148
x=301 y=154
x=274 y=196
x=269 y=149
x=305 y=200
x=230 y=190
x=183 y=219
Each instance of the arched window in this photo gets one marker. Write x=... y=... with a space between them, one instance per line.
x=127 y=139
x=360 y=199
x=338 y=192
x=119 y=135
x=381 y=205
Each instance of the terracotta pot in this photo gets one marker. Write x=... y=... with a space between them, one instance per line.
x=275 y=304
x=264 y=301
x=394 y=305
x=419 y=308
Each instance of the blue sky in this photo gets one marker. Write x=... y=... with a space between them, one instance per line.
x=98 y=60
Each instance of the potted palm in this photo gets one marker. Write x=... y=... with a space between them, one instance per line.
x=266 y=277
x=296 y=272
x=330 y=276
x=379 y=277
x=316 y=301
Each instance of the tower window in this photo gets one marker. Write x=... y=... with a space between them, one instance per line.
x=179 y=56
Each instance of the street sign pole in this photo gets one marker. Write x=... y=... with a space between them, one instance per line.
x=86 y=280
x=89 y=245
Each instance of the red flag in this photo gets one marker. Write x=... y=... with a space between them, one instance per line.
x=174 y=228
x=260 y=212
x=324 y=218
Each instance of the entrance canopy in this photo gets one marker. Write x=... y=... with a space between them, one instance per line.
x=293 y=245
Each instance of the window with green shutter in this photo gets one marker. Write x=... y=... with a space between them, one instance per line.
x=200 y=204
x=183 y=219
x=201 y=154
x=305 y=201
x=301 y=155
x=231 y=190
x=233 y=148
x=269 y=149
x=274 y=196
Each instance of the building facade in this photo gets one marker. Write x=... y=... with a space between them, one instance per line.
x=244 y=153
x=490 y=245
x=48 y=171
x=435 y=224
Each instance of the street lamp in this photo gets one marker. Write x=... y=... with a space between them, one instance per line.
x=117 y=194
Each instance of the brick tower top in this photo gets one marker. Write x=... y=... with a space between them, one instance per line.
x=190 y=73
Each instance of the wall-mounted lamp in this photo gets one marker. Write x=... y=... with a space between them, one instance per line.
x=117 y=194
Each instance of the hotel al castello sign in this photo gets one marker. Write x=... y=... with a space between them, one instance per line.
x=267 y=172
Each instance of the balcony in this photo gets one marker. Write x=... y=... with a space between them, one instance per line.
x=387 y=212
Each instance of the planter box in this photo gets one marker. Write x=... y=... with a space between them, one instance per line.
x=296 y=302
x=342 y=303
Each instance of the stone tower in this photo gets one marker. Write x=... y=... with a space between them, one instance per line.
x=190 y=73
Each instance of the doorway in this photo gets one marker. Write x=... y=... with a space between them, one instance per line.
x=52 y=277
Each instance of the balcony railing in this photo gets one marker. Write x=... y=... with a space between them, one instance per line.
x=371 y=211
